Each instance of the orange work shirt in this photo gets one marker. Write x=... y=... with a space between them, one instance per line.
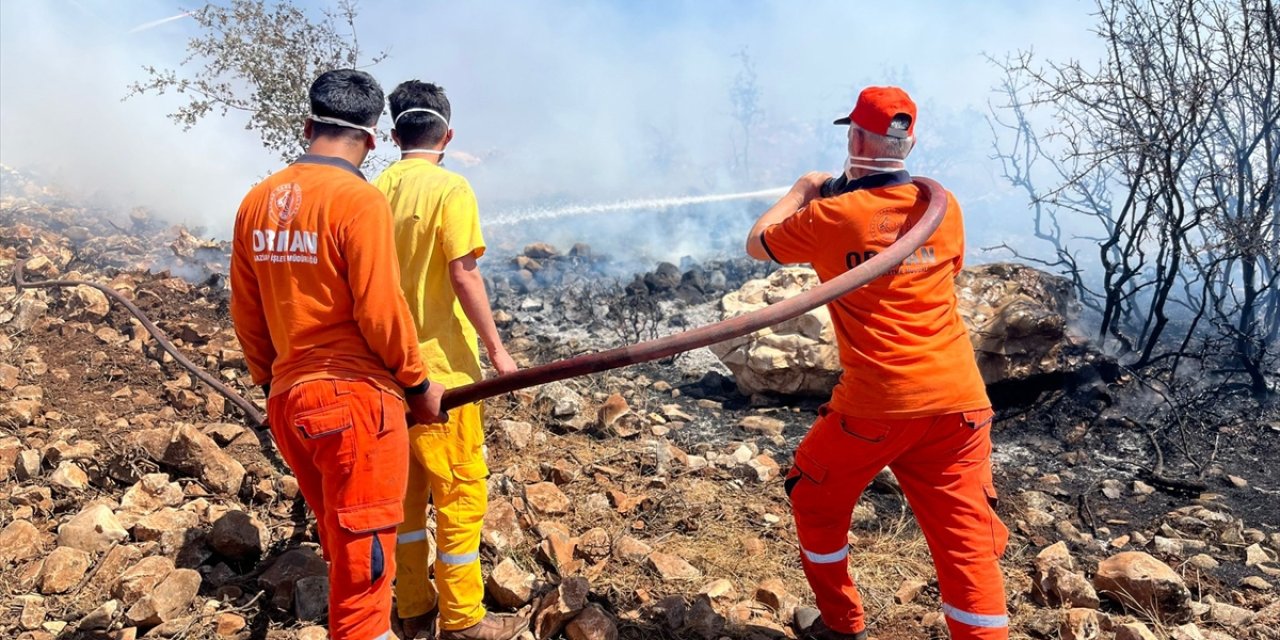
x=315 y=285
x=904 y=349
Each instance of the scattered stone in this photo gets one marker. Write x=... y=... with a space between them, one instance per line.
x=762 y=425
x=595 y=544
x=32 y=613
x=1144 y=584
x=1186 y=632
x=153 y=492
x=562 y=402
x=63 y=569
x=592 y=624
x=190 y=451
x=631 y=549
x=718 y=589
x=19 y=541
x=556 y=550
x=172 y=596
x=559 y=607
x=703 y=620
x=100 y=619
x=1255 y=582
x=69 y=477
x=909 y=590
x=282 y=576
x=1134 y=631
x=1203 y=562
x=509 y=585
x=773 y=593
x=502 y=529
x=227 y=625
x=311 y=598
x=1080 y=624
x=141 y=579
x=1229 y=615
x=804 y=617
x=547 y=499
x=313 y=633
x=1255 y=555
x=88 y=303
x=93 y=530
x=515 y=434
x=612 y=410
x=27 y=466
x=762 y=468
x=238 y=535
x=671 y=567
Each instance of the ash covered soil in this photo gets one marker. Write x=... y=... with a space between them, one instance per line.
x=645 y=502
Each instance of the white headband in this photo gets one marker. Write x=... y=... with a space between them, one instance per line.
x=339 y=122
x=421 y=110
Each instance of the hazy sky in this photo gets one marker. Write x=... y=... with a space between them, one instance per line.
x=563 y=100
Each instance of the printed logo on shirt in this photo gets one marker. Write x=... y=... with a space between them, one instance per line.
x=286 y=200
x=885 y=225
x=921 y=260
x=283 y=244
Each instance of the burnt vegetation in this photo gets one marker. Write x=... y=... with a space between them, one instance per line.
x=1153 y=181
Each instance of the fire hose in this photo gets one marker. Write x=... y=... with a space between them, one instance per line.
x=728 y=329
x=867 y=271
x=250 y=411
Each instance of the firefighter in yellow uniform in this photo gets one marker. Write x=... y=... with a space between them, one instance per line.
x=438 y=239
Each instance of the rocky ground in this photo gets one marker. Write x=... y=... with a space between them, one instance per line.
x=640 y=503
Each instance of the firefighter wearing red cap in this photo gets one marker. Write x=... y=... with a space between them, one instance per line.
x=910 y=398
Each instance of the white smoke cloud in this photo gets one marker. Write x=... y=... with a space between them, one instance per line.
x=554 y=102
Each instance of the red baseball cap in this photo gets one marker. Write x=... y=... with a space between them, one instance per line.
x=887 y=111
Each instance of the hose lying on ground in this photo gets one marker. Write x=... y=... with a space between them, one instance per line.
x=773 y=314
x=860 y=275
x=250 y=411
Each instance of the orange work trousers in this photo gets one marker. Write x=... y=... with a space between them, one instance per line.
x=943 y=464
x=348 y=445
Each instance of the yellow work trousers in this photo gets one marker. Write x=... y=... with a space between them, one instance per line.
x=446 y=468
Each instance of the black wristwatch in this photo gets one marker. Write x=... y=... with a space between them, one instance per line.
x=418 y=389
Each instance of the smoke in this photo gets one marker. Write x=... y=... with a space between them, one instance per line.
x=555 y=103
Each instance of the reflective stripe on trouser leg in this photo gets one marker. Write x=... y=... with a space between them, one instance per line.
x=824 y=542
x=975 y=619
x=456 y=470
x=947 y=480
x=415 y=594
x=827 y=558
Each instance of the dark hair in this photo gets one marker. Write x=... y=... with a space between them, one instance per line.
x=419 y=129
x=347 y=94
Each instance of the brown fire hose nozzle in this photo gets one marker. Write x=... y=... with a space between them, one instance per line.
x=900 y=250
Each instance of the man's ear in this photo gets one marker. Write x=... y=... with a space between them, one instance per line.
x=307 y=130
x=395 y=137
x=448 y=136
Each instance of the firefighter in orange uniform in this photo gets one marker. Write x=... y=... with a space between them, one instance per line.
x=317 y=307
x=910 y=398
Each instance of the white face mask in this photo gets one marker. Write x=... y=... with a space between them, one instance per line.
x=438 y=152
x=338 y=122
x=857 y=162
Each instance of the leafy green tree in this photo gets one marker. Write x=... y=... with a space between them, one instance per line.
x=257 y=59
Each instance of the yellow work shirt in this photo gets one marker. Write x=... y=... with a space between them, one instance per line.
x=436 y=221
